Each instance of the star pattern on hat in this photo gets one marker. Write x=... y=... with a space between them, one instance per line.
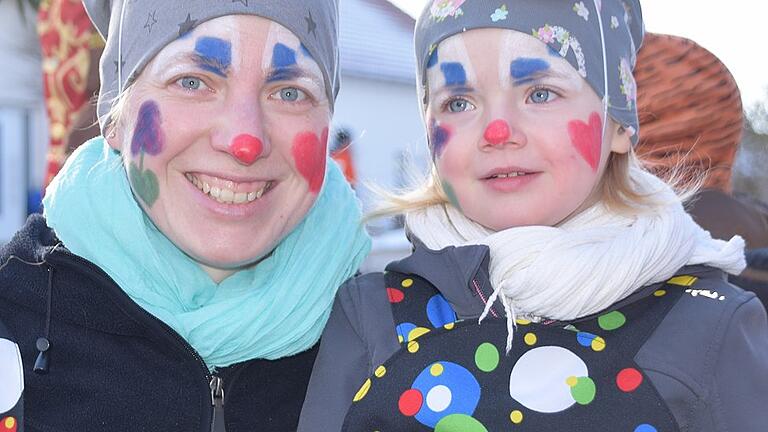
x=311 y=24
x=151 y=21
x=187 y=26
x=244 y=2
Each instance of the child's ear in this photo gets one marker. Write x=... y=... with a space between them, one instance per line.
x=620 y=140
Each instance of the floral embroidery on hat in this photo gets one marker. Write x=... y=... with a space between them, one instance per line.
x=500 y=14
x=614 y=22
x=442 y=9
x=581 y=10
x=550 y=34
x=628 y=85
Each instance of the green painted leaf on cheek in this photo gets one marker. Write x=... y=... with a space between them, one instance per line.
x=451 y=194
x=144 y=183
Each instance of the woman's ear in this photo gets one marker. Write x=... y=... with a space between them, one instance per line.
x=113 y=139
x=620 y=140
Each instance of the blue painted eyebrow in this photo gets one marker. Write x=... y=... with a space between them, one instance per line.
x=454 y=74
x=523 y=68
x=284 y=66
x=433 y=59
x=283 y=56
x=213 y=55
x=285 y=74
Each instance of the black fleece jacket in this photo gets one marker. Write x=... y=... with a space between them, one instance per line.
x=112 y=366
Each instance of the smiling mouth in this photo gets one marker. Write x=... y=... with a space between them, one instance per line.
x=507 y=175
x=232 y=193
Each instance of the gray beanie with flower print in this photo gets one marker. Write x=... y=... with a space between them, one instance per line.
x=579 y=31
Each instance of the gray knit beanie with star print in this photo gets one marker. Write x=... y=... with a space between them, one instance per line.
x=599 y=38
x=136 y=30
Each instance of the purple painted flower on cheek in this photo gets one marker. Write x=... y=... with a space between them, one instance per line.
x=438 y=137
x=147 y=136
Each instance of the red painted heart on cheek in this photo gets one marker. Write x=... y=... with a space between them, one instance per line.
x=588 y=138
x=309 y=155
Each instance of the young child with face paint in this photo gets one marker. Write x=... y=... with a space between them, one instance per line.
x=187 y=261
x=553 y=285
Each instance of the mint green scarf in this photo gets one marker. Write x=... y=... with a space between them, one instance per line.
x=275 y=309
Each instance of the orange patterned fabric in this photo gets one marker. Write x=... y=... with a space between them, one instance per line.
x=66 y=37
x=689 y=107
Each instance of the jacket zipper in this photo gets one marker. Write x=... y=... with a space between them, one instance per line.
x=209 y=378
x=217 y=400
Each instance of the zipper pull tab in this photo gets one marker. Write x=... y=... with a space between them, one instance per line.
x=217 y=401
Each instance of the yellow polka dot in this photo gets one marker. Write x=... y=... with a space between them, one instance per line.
x=572 y=381
x=400 y=338
x=659 y=293
x=413 y=347
x=406 y=283
x=436 y=369
x=417 y=333
x=683 y=280
x=363 y=390
x=380 y=371
x=521 y=321
x=530 y=339
x=516 y=417
x=449 y=326
x=598 y=344
x=10 y=422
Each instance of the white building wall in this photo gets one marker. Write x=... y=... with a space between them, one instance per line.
x=385 y=121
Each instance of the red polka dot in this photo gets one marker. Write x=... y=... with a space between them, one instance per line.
x=395 y=295
x=629 y=380
x=410 y=402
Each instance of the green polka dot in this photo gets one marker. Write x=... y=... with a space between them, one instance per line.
x=612 y=320
x=487 y=357
x=459 y=422
x=584 y=391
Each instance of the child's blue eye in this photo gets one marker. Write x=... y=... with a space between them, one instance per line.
x=191 y=83
x=541 y=96
x=459 y=105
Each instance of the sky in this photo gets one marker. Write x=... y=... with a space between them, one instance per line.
x=731 y=30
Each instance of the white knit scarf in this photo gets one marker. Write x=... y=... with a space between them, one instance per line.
x=587 y=263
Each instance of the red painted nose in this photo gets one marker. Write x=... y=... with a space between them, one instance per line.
x=246 y=148
x=497 y=132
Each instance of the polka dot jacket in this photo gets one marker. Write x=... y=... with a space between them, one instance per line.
x=403 y=351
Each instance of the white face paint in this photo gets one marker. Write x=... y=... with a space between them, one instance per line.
x=11 y=375
x=225 y=142
x=518 y=139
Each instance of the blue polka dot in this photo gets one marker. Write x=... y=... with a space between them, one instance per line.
x=439 y=311
x=463 y=386
x=403 y=330
x=585 y=339
x=645 y=427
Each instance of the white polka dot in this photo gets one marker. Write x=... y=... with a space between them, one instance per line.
x=11 y=375
x=439 y=398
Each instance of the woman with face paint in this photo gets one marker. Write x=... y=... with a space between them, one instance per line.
x=554 y=285
x=187 y=260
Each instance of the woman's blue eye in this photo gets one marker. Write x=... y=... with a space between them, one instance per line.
x=291 y=94
x=191 y=83
x=459 y=105
x=541 y=96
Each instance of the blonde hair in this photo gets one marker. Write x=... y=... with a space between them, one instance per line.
x=618 y=190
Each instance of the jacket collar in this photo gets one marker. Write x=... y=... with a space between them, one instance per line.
x=461 y=275
x=459 y=272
